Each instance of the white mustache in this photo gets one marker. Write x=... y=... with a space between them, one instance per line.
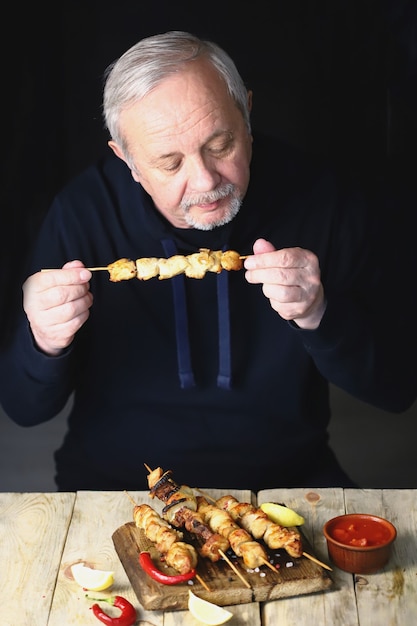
x=210 y=196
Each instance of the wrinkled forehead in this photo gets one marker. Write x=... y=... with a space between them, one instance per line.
x=192 y=103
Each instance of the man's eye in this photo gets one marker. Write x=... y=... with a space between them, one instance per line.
x=221 y=150
x=172 y=167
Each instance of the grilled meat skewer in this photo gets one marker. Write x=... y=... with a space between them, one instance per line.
x=181 y=511
x=193 y=265
x=241 y=541
x=168 y=541
x=256 y=522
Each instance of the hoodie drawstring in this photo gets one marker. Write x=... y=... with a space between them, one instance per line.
x=224 y=377
x=185 y=369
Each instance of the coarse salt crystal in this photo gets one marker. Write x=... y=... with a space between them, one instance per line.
x=289 y=564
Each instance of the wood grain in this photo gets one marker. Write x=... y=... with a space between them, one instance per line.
x=32 y=537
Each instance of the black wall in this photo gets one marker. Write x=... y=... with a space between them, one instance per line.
x=337 y=78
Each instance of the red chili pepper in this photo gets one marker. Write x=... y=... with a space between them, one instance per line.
x=127 y=616
x=150 y=568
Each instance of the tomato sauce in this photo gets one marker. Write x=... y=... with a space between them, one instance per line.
x=360 y=533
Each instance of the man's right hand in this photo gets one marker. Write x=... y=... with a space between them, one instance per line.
x=57 y=303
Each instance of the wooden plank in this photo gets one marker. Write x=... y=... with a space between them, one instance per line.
x=335 y=606
x=96 y=516
x=389 y=596
x=32 y=535
x=294 y=577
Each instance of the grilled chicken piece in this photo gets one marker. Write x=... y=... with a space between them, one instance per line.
x=154 y=477
x=255 y=521
x=216 y=257
x=241 y=541
x=182 y=557
x=168 y=541
x=252 y=553
x=198 y=264
x=172 y=266
x=230 y=260
x=123 y=269
x=147 y=268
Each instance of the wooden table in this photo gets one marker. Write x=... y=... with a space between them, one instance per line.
x=42 y=534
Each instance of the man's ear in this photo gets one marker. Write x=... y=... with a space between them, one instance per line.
x=119 y=153
x=117 y=150
x=250 y=94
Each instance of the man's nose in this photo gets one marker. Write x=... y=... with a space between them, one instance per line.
x=203 y=174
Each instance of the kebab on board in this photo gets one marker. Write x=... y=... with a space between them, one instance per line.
x=194 y=265
x=181 y=511
x=241 y=541
x=205 y=515
x=168 y=541
x=257 y=522
x=185 y=510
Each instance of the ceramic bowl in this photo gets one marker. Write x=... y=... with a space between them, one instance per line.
x=359 y=543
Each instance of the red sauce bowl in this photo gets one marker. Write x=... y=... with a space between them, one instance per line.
x=359 y=543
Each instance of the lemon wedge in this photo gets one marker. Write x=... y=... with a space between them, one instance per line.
x=282 y=515
x=207 y=612
x=92 y=579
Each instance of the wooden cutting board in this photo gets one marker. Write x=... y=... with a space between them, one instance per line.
x=294 y=576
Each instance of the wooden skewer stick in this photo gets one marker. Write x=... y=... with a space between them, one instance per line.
x=130 y=498
x=206 y=495
x=312 y=558
x=268 y=564
x=92 y=269
x=234 y=568
x=202 y=582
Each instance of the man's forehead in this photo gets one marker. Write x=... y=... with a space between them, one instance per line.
x=173 y=115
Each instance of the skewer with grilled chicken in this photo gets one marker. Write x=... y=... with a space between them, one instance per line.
x=181 y=511
x=168 y=541
x=241 y=541
x=193 y=265
x=256 y=522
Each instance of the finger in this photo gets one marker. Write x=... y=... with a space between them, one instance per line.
x=262 y=245
x=62 y=295
x=68 y=275
x=74 y=263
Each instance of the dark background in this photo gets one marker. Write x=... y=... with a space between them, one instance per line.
x=337 y=78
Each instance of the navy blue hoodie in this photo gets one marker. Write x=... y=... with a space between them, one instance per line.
x=202 y=376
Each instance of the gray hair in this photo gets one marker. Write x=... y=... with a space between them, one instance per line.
x=146 y=64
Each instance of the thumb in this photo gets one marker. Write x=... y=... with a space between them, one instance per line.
x=262 y=245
